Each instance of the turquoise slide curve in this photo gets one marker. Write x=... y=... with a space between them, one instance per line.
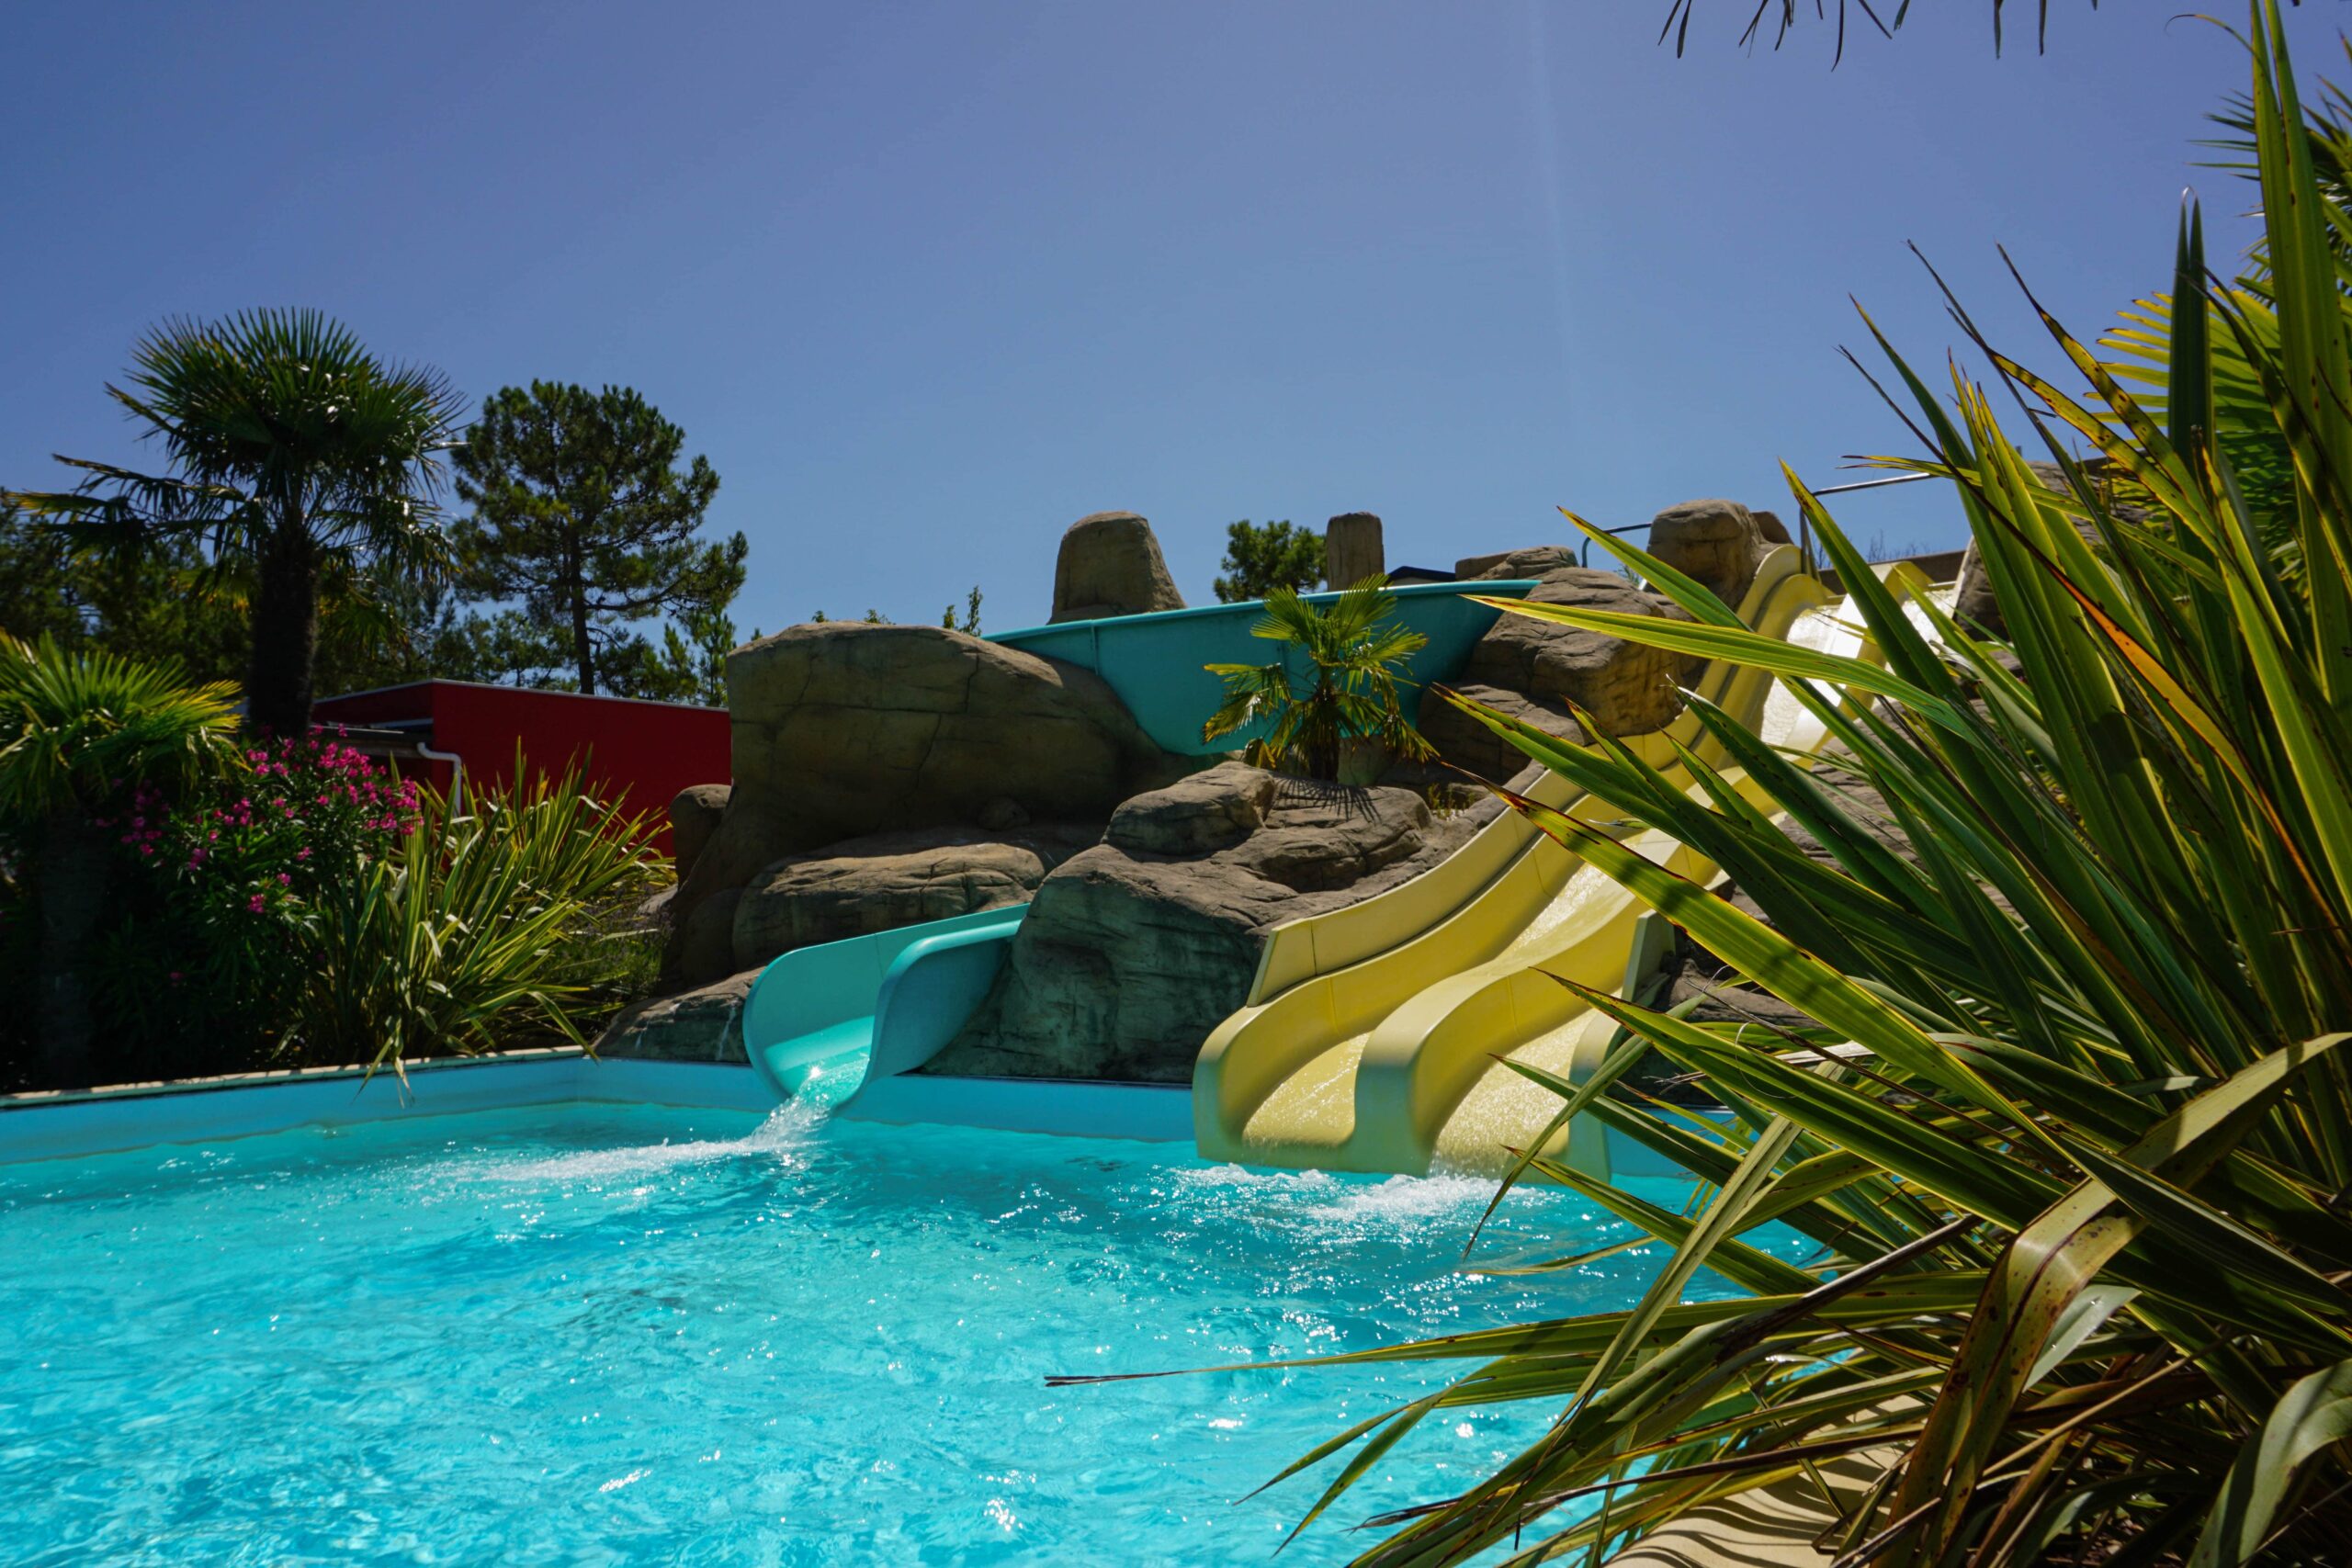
x=1155 y=662
x=896 y=997
x=816 y=1004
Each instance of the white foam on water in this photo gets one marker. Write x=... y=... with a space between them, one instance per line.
x=787 y=1129
x=1320 y=1201
x=1401 y=1199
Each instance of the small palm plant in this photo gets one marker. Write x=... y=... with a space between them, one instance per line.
x=1354 y=650
x=295 y=456
x=77 y=731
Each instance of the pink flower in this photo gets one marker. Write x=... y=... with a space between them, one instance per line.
x=255 y=904
x=284 y=880
x=302 y=853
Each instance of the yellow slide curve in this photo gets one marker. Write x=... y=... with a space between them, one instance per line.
x=1369 y=1038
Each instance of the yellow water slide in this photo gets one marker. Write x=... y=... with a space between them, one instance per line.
x=1371 y=1036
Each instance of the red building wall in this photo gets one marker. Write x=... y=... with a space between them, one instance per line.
x=650 y=750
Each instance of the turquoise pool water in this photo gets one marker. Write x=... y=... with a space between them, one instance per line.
x=623 y=1336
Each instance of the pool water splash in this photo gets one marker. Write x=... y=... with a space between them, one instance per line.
x=785 y=1136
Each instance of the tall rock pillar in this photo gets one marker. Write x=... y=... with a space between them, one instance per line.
x=1352 y=550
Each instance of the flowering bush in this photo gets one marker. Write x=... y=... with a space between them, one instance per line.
x=222 y=886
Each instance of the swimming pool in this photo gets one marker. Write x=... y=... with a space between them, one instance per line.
x=601 y=1335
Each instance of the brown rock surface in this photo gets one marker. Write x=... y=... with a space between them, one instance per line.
x=1110 y=565
x=844 y=729
x=1129 y=958
x=887 y=880
x=1718 y=542
x=702 y=1025
x=1352 y=550
x=702 y=937
x=1533 y=670
x=695 y=812
x=1210 y=811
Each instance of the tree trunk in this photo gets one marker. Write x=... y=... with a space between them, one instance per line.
x=1321 y=739
x=582 y=649
x=285 y=635
x=72 y=896
x=582 y=652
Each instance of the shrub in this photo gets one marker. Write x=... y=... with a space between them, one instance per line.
x=203 y=966
x=79 y=732
x=485 y=924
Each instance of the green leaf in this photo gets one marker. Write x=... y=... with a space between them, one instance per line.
x=2312 y=1418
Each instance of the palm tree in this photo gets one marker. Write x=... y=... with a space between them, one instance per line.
x=294 y=455
x=1353 y=648
x=78 y=730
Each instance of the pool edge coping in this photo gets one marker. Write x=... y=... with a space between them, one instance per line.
x=67 y=1124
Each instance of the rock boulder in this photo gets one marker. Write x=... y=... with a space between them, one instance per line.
x=1533 y=562
x=844 y=729
x=702 y=937
x=1110 y=565
x=1130 y=956
x=1210 y=811
x=695 y=812
x=1719 y=542
x=702 y=1025
x=1352 y=550
x=1533 y=670
x=1972 y=604
x=888 y=880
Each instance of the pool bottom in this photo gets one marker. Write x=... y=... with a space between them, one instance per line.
x=600 y=1334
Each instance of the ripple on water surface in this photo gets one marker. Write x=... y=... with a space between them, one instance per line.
x=603 y=1335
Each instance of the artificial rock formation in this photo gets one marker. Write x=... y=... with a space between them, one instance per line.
x=1535 y=670
x=1210 y=811
x=844 y=729
x=1134 y=950
x=1110 y=565
x=1720 y=543
x=1352 y=550
x=1972 y=604
x=695 y=812
x=701 y=1025
x=888 y=880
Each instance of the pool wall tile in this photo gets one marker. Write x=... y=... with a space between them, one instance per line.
x=61 y=1126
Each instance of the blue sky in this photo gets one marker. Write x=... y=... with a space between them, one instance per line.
x=927 y=283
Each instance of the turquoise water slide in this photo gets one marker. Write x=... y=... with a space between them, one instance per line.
x=816 y=1006
x=895 y=997
x=1155 y=662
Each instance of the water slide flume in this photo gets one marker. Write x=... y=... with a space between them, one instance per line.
x=1158 y=663
x=817 y=1013
x=1371 y=1036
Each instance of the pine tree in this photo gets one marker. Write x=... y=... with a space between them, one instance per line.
x=1263 y=556
x=583 y=518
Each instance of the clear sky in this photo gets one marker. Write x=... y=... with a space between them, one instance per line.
x=927 y=283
